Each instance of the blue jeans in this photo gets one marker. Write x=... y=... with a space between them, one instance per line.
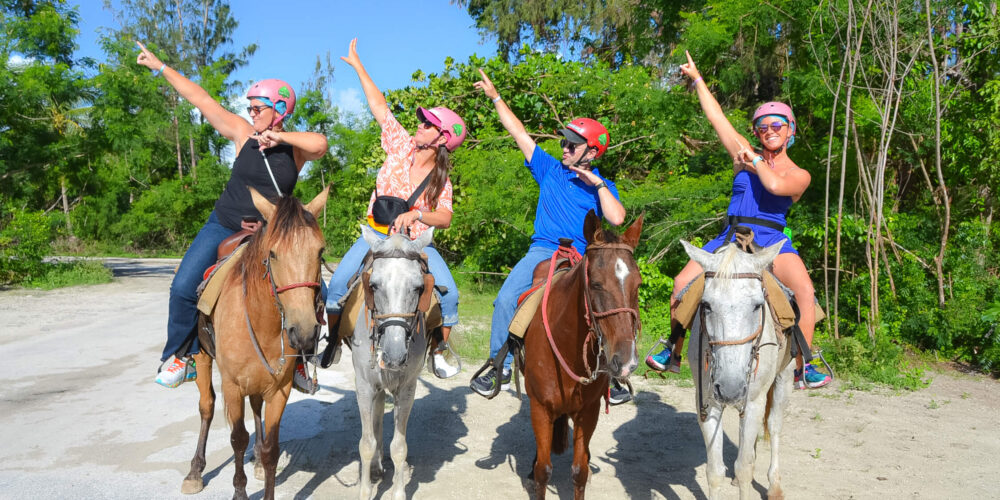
x=351 y=263
x=182 y=319
x=517 y=282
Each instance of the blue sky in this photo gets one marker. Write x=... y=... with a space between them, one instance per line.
x=395 y=38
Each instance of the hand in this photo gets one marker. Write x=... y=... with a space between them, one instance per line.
x=588 y=177
x=352 y=58
x=268 y=139
x=147 y=59
x=250 y=226
x=404 y=221
x=486 y=85
x=689 y=69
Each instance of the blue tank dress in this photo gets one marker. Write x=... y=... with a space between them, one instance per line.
x=750 y=199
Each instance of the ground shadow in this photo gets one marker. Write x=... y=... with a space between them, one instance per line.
x=514 y=445
x=139 y=269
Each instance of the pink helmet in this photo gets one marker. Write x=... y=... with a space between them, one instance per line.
x=779 y=109
x=448 y=121
x=278 y=93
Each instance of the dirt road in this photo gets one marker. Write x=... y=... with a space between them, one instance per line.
x=80 y=417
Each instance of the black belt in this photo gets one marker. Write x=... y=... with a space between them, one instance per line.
x=736 y=220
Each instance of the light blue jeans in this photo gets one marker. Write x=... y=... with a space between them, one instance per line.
x=351 y=263
x=517 y=282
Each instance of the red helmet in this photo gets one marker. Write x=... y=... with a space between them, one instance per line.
x=589 y=131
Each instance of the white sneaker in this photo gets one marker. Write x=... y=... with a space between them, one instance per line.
x=446 y=362
x=302 y=382
x=177 y=373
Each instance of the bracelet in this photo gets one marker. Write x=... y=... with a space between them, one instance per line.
x=603 y=184
x=757 y=159
x=497 y=99
x=158 y=72
x=696 y=80
x=420 y=214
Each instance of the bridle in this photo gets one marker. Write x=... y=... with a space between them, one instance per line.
x=412 y=322
x=594 y=332
x=275 y=290
x=705 y=356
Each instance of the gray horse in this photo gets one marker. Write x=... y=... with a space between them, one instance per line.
x=397 y=294
x=735 y=339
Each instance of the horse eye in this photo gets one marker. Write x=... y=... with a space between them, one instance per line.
x=706 y=306
x=273 y=256
x=596 y=286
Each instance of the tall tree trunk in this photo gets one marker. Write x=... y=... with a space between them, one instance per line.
x=939 y=259
x=65 y=204
x=177 y=145
x=194 y=165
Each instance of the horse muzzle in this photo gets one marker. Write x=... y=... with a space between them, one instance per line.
x=730 y=392
x=303 y=338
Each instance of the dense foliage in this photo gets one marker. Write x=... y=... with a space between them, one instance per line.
x=901 y=134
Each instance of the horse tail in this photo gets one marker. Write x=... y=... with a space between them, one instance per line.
x=767 y=411
x=560 y=434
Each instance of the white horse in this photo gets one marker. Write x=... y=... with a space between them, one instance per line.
x=739 y=358
x=389 y=347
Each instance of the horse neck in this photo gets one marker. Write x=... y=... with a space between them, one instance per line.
x=569 y=317
x=256 y=282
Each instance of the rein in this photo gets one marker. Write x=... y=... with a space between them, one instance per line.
x=275 y=290
x=591 y=316
x=755 y=337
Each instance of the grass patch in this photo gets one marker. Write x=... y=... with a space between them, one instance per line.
x=87 y=248
x=471 y=338
x=63 y=274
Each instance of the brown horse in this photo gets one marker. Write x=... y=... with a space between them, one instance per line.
x=265 y=315
x=587 y=333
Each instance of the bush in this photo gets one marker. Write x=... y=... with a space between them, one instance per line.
x=24 y=242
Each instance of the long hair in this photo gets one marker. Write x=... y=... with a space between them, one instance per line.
x=439 y=176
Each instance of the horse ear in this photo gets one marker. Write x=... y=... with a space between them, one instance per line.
x=698 y=255
x=763 y=258
x=425 y=298
x=631 y=236
x=366 y=284
x=369 y=235
x=425 y=239
x=592 y=227
x=265 y=207
x=316 y=205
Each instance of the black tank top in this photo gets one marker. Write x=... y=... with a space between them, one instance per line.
x=249 y=170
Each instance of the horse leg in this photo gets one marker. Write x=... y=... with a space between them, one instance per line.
x=378 y=415
x=366 y=447
x=750 y=427
x=583 y=429
x=256 y=403
x=401 y=415
x=542 y=422
x=781 y=390
x=269 y=450
x=193 y=483
x=715 y=469
x=238 y=438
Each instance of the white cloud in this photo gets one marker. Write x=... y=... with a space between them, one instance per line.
x=17 y=61
x=349 y=101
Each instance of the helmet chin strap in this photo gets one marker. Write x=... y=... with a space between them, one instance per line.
x=430 y=145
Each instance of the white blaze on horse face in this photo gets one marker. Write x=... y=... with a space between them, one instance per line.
x=621 y=272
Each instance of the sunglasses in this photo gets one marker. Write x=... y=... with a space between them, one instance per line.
x=571 y=146
x=255 y=110
x=775 y=126
x=427 y=124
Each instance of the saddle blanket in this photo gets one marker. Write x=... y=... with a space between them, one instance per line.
x=690 y=299
x=528 y=305
x=210 y=289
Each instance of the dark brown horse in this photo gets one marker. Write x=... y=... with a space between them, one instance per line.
x=265 y=315
x=587 y=333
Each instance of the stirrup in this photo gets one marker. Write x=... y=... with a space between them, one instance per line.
x=451 y=357
x=331 y=353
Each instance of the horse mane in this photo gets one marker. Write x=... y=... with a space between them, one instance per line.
x=727 y=265
x=289 y=216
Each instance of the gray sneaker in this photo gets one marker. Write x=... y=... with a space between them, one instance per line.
x=485 y=384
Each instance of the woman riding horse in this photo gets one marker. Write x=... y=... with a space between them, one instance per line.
x=413 y=163
x=766 y=184
x=268 y=159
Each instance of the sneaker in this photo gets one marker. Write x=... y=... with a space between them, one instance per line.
x=177 y=373
x=302 y=382
x=662 y=362
x=618 y=393
x=799 y=382
x=814 y=379
x=441 y=366
x=485 y=384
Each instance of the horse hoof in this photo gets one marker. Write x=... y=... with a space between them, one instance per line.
x=258 y=472
x=192 y=486
x=777 y=494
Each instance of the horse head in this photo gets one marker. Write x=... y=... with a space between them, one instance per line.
x=398 y=291
x=613 y=280
x=733 y=315
x=290 y=248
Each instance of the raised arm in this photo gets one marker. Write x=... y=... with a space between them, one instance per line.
x=734 y=142
x=228 y=124
x=376 y=101
x=507 y=118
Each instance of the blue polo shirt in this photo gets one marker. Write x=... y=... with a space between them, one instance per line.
x=563 y=201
